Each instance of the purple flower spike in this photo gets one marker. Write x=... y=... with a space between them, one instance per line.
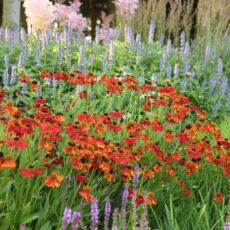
x=125 y=195
x=107 y=214
x=75 y=218
x=151 y=31
x=6 y=60
x=136 y=176
x=66 y=218
x=182 y=39
x=227 y=226
x=94 y=214
x=22 y=227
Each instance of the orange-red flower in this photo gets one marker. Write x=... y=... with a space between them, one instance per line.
x=218 y=197
x=187 y=192
x=54 y=180
x=81 y=178
x=7 y=162
x=18 y=143
x=85 y=193
x=151 y=200
x=30 y=172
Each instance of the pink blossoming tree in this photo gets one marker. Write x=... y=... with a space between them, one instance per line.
x=126 y=8
x=41 y=14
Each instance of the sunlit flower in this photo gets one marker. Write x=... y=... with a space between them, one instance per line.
x=85 y=193
x=16 y=142
x=54 y=180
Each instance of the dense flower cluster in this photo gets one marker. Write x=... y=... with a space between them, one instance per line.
x=41 y=14
x=126 y=8
x=147 y=146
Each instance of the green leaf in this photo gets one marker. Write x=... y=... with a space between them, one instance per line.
x=31 y=218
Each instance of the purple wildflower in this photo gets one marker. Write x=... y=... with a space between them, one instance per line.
x=169 y=71
x=184 y=84
x=39 y=92
x=94 y=214
x=154 y=79
x=227 y=226
x=213 y=53
x=138 y=39
x=111 y=50
x=38 y=55
x=186 y=49
x=186 y=67
x=162 y=38
x=151 y=31
x=182 y=39
x=81 y=56
x=213 y=82
x=115 y=219
x=21 y=61
x=144 y=217
x=136 y=176
x=75 y=219
x=6 y=79
x=207 y=52
x=220 y=68
x=97 y=34
x=66 y=218
x=125 y=196
x=105 y=65
x=59 y=54
x=115 y=228
x=176 y=71
x=224 y=85
x=169 y=45
x=90 y=60
x=142 y=79
x=6 y=60
x=13 y=75
x=107 y=214
x=22 y=227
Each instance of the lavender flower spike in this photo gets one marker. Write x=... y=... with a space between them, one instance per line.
x=136 y=176
x=107 y=214
x=75 y=218
x=111 y=50
x=151 y=31
x=220 y=68
x=22 y=227
x=13 y=75
x=176 y=71
x=21 y=61
x=6 y=60
x=154 y=79
x=6 y=79
x=182 y=39
x=94 y=214
x=227 y=226
x=125 y=196
x=66 y=218
x=169 y=71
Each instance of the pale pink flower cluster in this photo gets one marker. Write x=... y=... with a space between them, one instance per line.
x=41 y=14
x=126 y=8
x=106 y=32
x=65 y=14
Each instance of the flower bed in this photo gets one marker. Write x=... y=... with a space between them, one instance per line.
x=89 y=138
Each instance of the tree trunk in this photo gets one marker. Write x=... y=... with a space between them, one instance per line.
x=11 y=17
